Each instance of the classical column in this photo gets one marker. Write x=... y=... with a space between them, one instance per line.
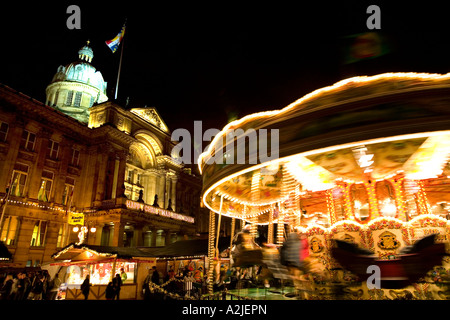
x=167 y=191
x=162 y=190
x=173 y=195
x=115 y=178
x=167 y=235
x=120 y=188
x=153 y=244
x=117 y=238
x=137 y=237
x=102 y=164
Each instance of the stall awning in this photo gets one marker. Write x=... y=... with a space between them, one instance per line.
x=195 y=248
x=5 y=255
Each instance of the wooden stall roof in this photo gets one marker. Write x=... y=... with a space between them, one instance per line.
x=180 y=249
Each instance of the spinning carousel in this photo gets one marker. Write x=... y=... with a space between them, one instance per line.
x=365 y=160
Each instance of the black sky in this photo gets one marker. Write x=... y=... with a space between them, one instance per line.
x=221 y=60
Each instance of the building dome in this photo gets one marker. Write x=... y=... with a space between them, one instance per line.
x=77 y=86
x=86 y=53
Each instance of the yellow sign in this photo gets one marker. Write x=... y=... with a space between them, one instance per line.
x=76 y=218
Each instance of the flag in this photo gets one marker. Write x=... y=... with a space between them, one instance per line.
x=364 y=46
x=114 y=43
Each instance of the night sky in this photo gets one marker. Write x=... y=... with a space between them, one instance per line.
x=220 y=61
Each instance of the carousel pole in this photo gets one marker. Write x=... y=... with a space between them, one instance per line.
x=243 y=221
x=218 y=227
x=270 y=226
x=254 y=227
x=233 y=223
x=280 y=225
x=212 y=221
x=330 y=205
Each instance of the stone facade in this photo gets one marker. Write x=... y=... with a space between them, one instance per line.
x=115 y=166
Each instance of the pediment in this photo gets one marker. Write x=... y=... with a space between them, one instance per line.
x=152 y=116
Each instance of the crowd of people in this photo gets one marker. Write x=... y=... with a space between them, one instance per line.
x=24 y=285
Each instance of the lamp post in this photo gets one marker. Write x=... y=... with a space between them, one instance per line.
x=83 y=232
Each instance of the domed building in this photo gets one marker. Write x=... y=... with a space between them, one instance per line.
x=77 y=86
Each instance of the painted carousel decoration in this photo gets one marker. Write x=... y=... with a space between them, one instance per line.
x=365 y=161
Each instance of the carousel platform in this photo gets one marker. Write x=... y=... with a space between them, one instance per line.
x=275 y=293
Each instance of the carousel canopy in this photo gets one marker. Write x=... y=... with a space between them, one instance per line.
x=355 y=134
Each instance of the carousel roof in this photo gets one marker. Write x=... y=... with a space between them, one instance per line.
x=358 y=129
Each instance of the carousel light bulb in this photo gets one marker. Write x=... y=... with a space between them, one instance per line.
x=75 y=229
x=93 y=229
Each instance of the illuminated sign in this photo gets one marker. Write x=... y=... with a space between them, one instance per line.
x=76 y=218
x=158 y=211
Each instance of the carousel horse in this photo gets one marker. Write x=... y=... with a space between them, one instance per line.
x=245 y=252
x=412 y=264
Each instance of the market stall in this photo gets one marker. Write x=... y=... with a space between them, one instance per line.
x=74 y=262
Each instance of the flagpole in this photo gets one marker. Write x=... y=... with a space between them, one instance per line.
x=120 y=65
x=68 y=206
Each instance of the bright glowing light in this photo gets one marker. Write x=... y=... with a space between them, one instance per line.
x=310 y=175
x=428 y=161
x=388 y=208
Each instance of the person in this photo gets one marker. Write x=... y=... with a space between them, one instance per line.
x=109 y=292
x=117 y=284
x=198 y=275
x=20 y=286
x=27 y=282
x=155 y=276
x=188 y=281
x=85 y=287
x=46 y=283
x=123 y=275
x=37 y=288
x=6 y=288
x=245 y=252
x=55 y=284
x=14 y=288
x=171 y=273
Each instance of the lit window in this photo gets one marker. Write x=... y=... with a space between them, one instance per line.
x=77 y=101
x=75 y=157
x=53 y=150
x=19 y=179
x=67 y=194
x=3 y=130
x=28 y=140
x=61 y=236
x=46 y=186
x=69 y=98
x=39 y=232
x=9 y=230
x=130 y=176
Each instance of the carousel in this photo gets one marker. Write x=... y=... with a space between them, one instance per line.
x=364 y=161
